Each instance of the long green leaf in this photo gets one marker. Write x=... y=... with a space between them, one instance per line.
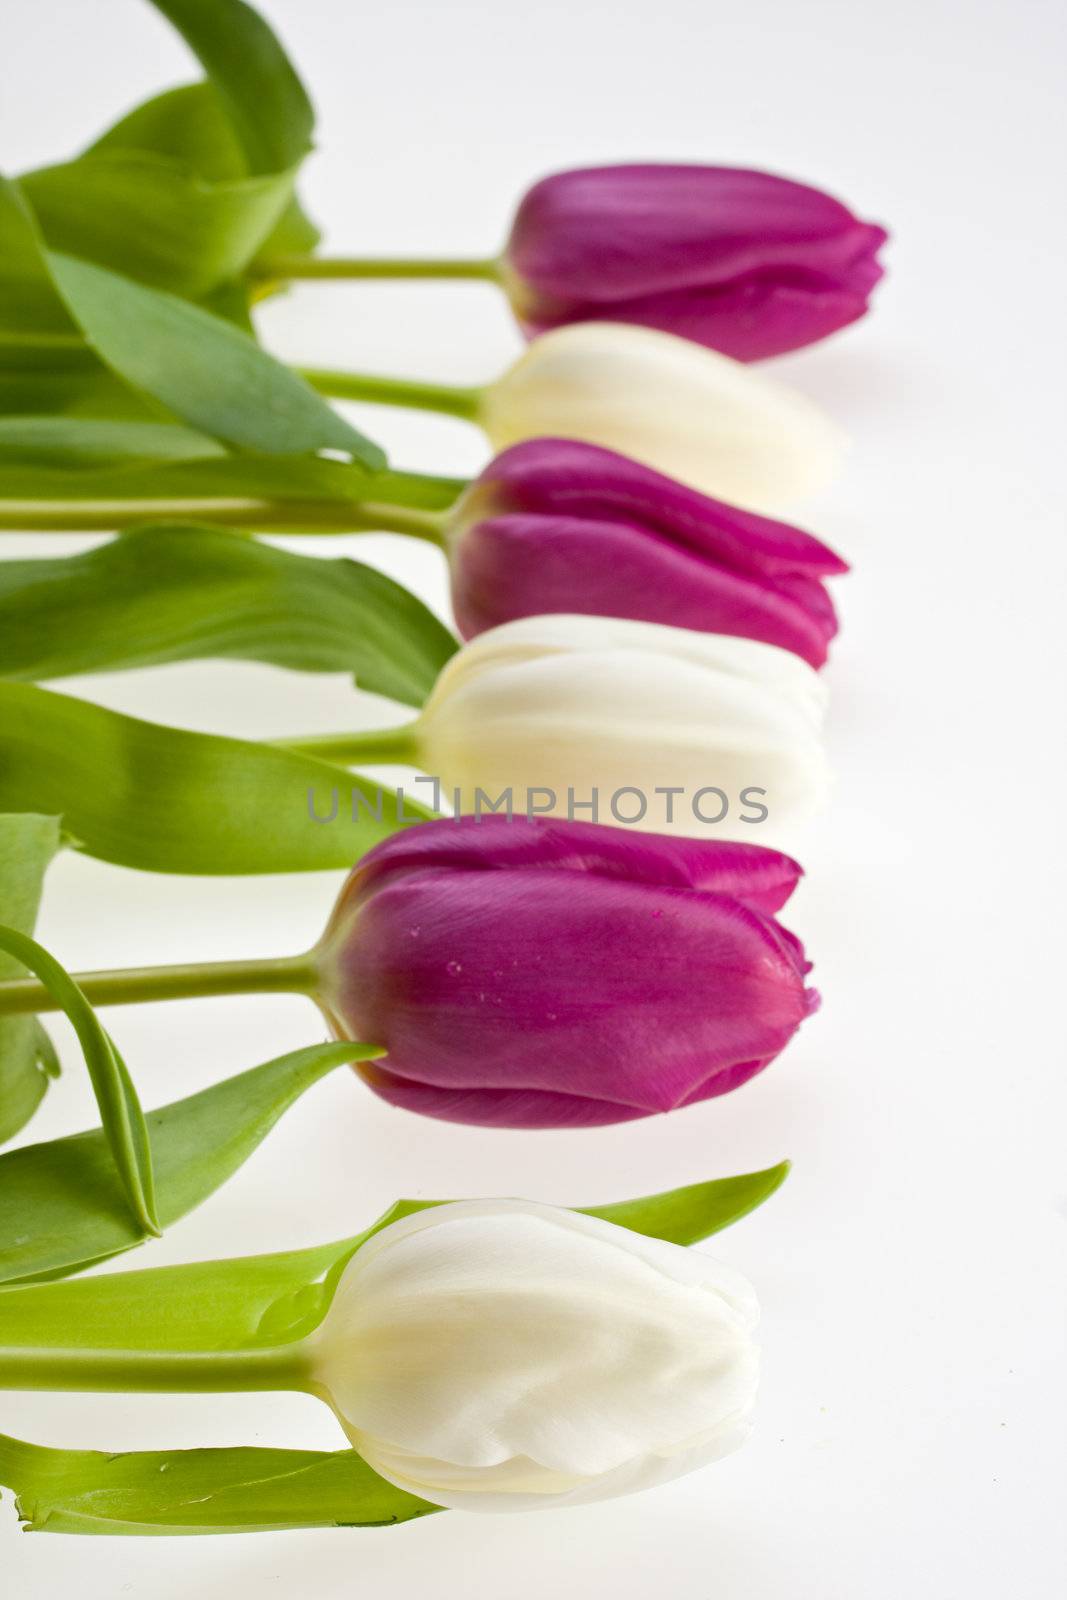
x=264 y=99
x=45 y=364
x=240 y=1490
x=61 y=1209
x=166 y=800
x=123 y=1124
x=190 y=125
x=175 y=593
x=257 y=1301
x=74 y=443
x=31 y=310
x=27 y=1060
x=202 y=368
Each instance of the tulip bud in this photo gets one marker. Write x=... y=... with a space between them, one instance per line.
x=631 y=721
x=685 y=411
x=554 y=525
x=495 y=1355
x=745 y=262
x=533 y=974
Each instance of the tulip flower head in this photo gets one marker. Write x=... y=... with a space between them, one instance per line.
x=554 y=525
x=495 y=1355
x=742 y=261
x=687 y=412
x=631 y=723
x=536 y=974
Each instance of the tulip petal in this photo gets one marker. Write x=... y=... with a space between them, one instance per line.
x=761 y=878
x=519 y=566
x=571 y=478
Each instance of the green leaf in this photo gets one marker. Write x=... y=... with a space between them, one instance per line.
x=187 y=124
x=190 y=125
x=238 y=1490
x=27 y=1060
x=175 y=593
x=263 y=1301
x=43 y=383
x=123 y=1124
x=45 y=363
x=260 y=92
x=686 y=1215
x=294 y=235
x=202 y=368
x=31 y=310
x=77 y=442
x=61 y=1209
x=166 y=800
x=150 y=218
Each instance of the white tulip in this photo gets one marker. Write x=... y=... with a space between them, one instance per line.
x=550 y=708
x=498 y=1355
x=696 y=415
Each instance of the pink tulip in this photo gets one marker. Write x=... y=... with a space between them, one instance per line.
x=746 y=262
x=559 y=974
x=554 y=525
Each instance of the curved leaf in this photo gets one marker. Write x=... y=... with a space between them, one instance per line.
x=178 y=592
x=122 y=1119
x=201 y=368
x=76 y=442
x=264 y=99
x=27 y=1060
x=148 y=217
x=686 y=1215
x=31 y=309
x=240 y=1490
x=61 y=1209
x=190 y=125
x=166 y=800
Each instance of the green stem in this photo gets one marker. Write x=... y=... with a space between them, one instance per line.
x=159 y=1371
x=135 y=985
x=486 y=268
x=260 y=516
x=370 y=746
x=453 y=400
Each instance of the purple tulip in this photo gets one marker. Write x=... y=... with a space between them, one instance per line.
x=743 y=261
x=558 y=974
x=554 y=525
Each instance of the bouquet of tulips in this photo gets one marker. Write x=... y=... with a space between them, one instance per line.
x=567 y=916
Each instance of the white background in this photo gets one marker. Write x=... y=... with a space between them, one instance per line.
x=910 y=1437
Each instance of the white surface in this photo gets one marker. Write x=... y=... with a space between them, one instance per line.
x=910 y=1433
